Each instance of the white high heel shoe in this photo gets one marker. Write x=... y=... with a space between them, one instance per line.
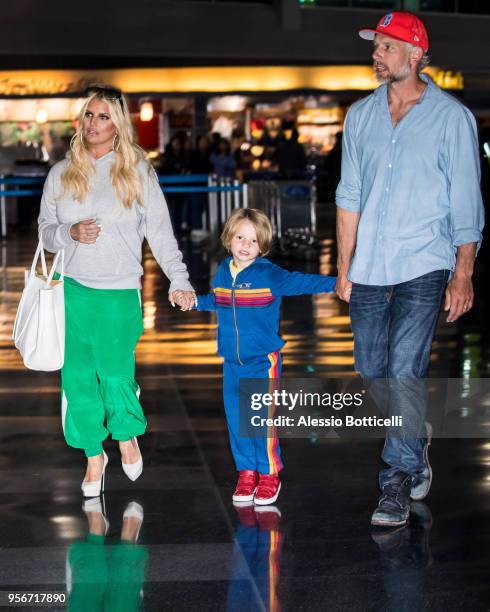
x=96 y=487
x=95 y=504
x=133 y=470
x=135 y=510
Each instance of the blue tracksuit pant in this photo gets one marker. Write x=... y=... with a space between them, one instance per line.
x=262 y=453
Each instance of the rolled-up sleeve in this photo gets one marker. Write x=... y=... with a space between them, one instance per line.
x=465 y=198
x=348 y=194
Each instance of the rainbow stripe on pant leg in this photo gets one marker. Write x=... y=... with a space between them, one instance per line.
x=275 y=463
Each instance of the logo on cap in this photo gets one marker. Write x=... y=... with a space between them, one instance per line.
x=386 y=20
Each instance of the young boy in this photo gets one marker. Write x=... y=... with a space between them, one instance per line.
x=247 y=292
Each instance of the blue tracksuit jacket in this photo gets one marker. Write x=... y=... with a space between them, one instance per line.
x=248 y=308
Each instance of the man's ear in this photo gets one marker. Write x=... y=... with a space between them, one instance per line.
x=416 y=55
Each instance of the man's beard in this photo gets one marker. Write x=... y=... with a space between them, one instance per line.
x=392 y=77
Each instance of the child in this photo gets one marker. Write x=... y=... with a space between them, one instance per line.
x=247 y=291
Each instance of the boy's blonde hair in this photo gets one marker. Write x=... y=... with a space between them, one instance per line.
x=257 y=218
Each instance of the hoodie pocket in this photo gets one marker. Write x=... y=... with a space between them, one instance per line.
x=99 y=260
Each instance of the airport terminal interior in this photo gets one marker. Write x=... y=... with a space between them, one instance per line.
x=188 y=547
x=237 y=103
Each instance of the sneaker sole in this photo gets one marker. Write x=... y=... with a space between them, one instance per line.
x=273 y=509
x=244 y=498
x=388 y=523
x=426 y=457
x=269 y=500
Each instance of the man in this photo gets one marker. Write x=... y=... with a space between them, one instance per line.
x=409 y=219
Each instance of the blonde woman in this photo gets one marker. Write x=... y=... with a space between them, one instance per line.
x=99 y=204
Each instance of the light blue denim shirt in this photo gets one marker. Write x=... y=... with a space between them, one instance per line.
x=417 y=186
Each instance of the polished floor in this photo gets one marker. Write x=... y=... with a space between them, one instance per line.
x=182 y=545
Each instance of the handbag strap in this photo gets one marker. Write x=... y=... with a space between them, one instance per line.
x=39 y=252
x=59 y=254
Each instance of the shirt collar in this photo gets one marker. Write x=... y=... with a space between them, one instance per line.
x=430 y=90
x=381 y=92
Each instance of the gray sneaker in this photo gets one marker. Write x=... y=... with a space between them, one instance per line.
x=423 y=480
x=394 y=504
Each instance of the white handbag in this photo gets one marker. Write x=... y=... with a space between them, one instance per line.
x=39 y=327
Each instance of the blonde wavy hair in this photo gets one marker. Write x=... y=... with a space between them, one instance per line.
x=124 y=174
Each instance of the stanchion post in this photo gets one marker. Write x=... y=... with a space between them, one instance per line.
x=4 y=266
x=277 y=197
x=313 y=196
x=244 y=195
x=213 y=210
x=222 y=197
x=3 y=207
x=236 y=194
x=228 y=183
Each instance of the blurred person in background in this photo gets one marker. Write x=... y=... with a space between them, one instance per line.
x=175 y=161
x=291 y=156
x=223 y=161
x=214 y=140
x=200 y=164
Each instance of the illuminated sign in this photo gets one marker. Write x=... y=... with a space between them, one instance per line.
x=218 y=79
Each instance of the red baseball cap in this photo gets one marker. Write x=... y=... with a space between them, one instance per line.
x=402 y=26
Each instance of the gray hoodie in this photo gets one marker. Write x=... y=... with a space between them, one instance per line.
x=114 y=261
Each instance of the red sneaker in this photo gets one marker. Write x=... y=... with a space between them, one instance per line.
x=246 y=486
x=246 y=513
x=267 y=489
x=268 y=518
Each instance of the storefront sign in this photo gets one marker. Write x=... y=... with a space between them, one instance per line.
x=217 y=79
x=39 y=86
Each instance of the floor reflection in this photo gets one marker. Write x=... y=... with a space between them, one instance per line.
x=405 y=555
x=102 y=577
x=258 y=539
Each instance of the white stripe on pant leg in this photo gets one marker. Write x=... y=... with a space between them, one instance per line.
x=64 y=408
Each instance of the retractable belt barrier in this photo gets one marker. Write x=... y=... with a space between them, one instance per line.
x=224 y=195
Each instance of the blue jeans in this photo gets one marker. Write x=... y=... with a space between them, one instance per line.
x=393 y=330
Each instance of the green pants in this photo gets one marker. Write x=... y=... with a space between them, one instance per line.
x=99 y=392
x=106 y=578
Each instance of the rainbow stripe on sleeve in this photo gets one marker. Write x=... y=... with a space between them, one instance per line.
x=244 y=297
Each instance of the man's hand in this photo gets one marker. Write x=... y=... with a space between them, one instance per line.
x=343 y=288
x=459 y=297
x=185 y=299
x=347 y=222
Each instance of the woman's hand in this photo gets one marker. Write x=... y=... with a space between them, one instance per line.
x=86 y=231
x=185 y=299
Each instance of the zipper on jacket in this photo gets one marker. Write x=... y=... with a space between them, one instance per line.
x=234 y=320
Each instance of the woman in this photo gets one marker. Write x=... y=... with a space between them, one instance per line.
x=99 y=204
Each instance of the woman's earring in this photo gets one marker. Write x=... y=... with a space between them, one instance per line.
x=115 y=142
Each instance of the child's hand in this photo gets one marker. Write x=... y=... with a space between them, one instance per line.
x=185 y=299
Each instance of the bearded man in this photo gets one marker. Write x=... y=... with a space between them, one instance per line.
x=409 y=223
